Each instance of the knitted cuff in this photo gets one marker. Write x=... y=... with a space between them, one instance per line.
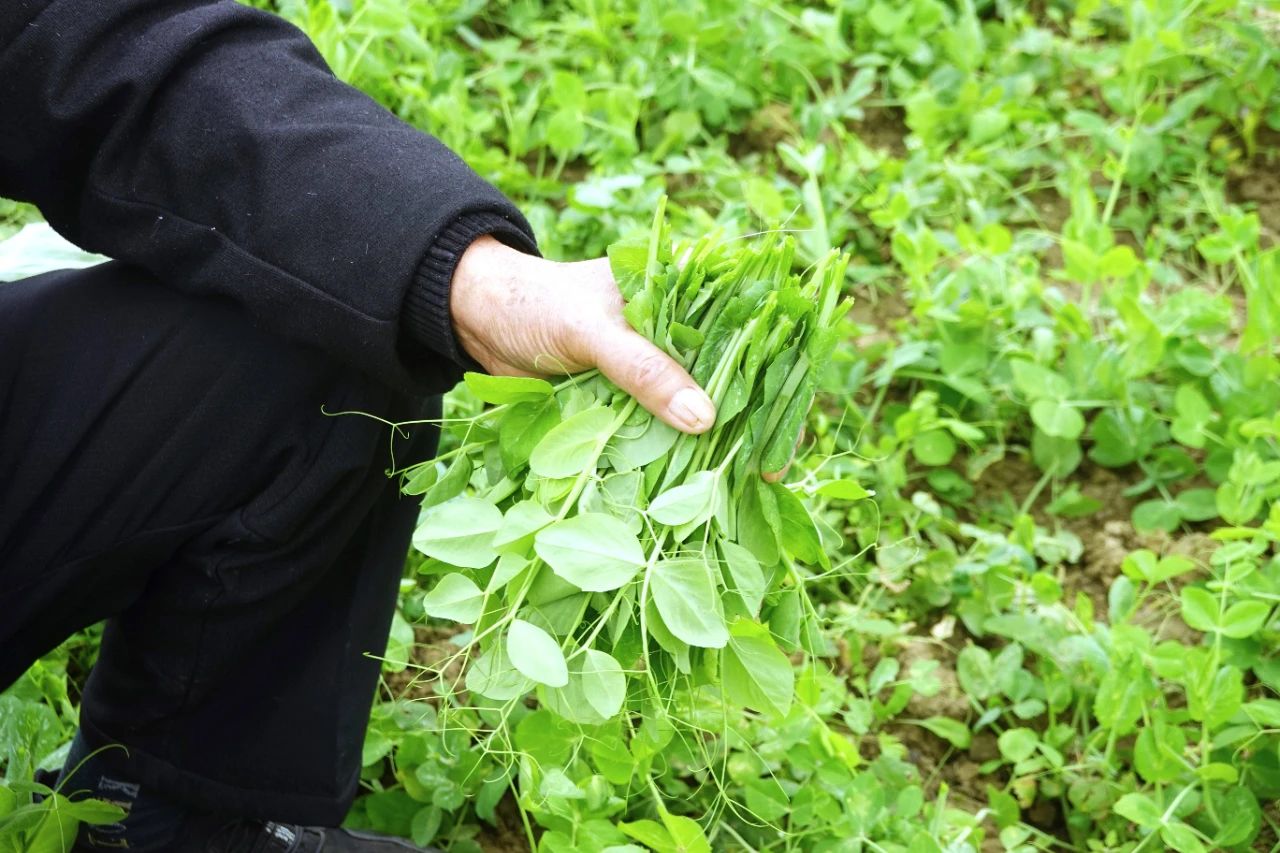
x=426 y=319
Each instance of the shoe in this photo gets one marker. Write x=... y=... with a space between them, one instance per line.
x=245 y=836
x=209 y=834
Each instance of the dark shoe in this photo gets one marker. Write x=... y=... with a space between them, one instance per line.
x=244 y=836
x=207 y=834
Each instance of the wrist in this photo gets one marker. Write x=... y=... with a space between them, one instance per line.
x=481 y=285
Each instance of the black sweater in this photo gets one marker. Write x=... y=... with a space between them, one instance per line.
x=210 y=144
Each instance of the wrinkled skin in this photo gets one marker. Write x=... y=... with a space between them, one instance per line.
x=521 y=315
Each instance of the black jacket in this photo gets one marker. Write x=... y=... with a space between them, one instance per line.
x=210 y=144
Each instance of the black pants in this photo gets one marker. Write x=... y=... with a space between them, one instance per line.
x=167 y=466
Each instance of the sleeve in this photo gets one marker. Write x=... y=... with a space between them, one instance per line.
x=209 y=143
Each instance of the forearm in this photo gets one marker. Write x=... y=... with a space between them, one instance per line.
x=209 y=143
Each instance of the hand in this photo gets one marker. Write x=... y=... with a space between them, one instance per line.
x=521 y=315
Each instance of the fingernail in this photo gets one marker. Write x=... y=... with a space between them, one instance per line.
x=693 y=408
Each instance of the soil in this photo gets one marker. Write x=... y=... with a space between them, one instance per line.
x=950 y=700
x=771 y=124
x=879 y=314
x=433 y=647
x=882 y=129
x=1107 y=535
x=1258 y=185
x=508 y=836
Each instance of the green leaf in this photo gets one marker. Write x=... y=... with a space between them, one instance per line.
x=1156 y=514
x=1142 y=565
x=1199 y=609
x=603 y=683
x=493 y=675
x=522 y=427
x=459 y=532
x=93 y=812
x=842 y=490
x=593 y=551
x=1181 y=837
x=573 y=446
x=685 y=594
x=506 y=389
x=1017 y=744
x=595 y=693
x=934 y=447
x=953 y=731
x=689 y=503
x=746 y=578
x=1057 y=418
x=685 y=337
x=522 y=521
x=1197 y=504
x=1244 y=619
x=452 y=484
x=535 y=654
x=1140 y=809
x=455 y=598
x=976 y=672
x=1036 y=382
x=636 y=445
x=649 y=833
x=686 y=835
x=755 y=672
x=759 y=524
x=799 y=535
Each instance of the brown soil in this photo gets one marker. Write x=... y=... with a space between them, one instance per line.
x=433 y=648
x=950 y=700
x=1258 y=185
x=769 y=125
x=508 y=836
x=879 y=313
x=1107 y=535
x=882 y=129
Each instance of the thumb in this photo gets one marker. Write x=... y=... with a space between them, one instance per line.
x=655 y=380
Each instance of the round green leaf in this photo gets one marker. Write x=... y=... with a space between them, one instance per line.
x=593 y=551
x=685 y=594
x=536 y=654
x=518 y=526
x=690 y=502
x=603 y=682
x=1057 y=418
x=934 y=447
x=1017 y=744
x=493 y=675
x=572 y=446
x=1199 y=609
x=755 y=672
x=455 y=598
x=596 y=690
x=459 y=532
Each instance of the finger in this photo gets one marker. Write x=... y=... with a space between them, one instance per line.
x=655 y=380
x=776 y=476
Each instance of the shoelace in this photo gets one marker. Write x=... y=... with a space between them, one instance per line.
x=245 y=836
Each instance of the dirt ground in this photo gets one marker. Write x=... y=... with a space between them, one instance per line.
x=1257 y=184
x=433 y=649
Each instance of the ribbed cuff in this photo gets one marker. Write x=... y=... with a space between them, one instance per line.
x=426 y=318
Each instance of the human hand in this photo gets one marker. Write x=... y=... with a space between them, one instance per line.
x=521 y=315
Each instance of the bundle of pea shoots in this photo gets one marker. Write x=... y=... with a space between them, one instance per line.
x=606 y=561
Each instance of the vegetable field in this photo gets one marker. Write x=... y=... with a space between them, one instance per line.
x=1019 y=588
